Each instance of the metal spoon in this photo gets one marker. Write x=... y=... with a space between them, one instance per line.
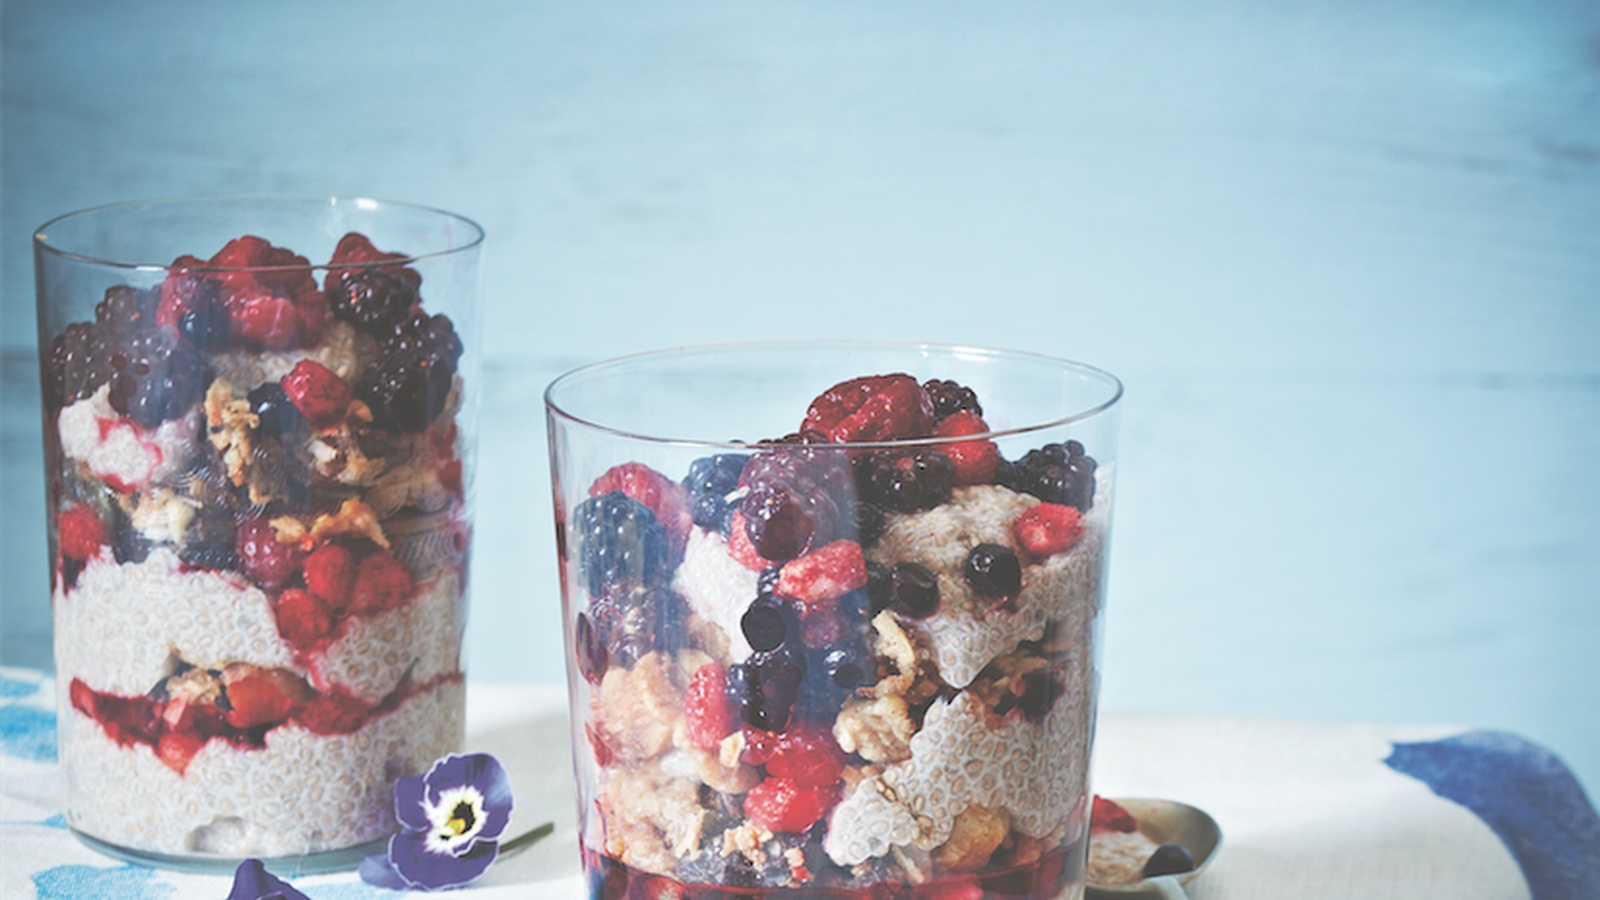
x=1165 y=822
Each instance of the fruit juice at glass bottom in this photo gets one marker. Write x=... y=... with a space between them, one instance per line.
x=848 y=646
x=259 y=479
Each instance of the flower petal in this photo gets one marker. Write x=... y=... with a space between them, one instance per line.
x=408 y=803
x=483 y=772
x=377 y=871
x=252 y=881
x=409 y=855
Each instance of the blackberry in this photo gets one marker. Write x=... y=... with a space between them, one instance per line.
x=277 y=412
x=373 y=300
x=155 y=377
x=992 y=570
x=796 y=499
x=765 y=688
x=949 y=397
x=1055 y=473
x=620 y=542
x=906 y=482
x=631 y=622
x=709 y=482
x=78 y=364
x=409 y=385
x=405 y=391
x=126 y=310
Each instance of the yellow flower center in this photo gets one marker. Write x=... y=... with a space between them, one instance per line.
x=461 y=820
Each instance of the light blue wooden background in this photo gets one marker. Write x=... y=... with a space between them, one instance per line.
x=1345 y=255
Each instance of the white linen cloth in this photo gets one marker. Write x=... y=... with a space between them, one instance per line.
x=1308 y=810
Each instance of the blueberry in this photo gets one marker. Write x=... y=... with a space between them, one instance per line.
x=709 y=482
x=992 y=570
x=1169 y=859
x=272 y=406
x=767 y=687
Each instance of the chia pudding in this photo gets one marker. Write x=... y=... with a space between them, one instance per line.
x=259 y=540
x=815 y=667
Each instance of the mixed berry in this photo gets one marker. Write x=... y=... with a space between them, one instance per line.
x=750 y=611
x=266 y=428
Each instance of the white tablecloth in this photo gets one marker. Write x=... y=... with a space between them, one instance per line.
x=1308 y=810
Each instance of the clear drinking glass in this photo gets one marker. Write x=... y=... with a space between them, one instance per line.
x=832 y=612
x=258 y=427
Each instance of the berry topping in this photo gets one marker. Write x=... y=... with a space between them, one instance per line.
x=330 y=573
x=80 y=533
x=872 y=408
x=382 y=583
x=266 y=560
x=707 y=716
x=155 y=377
x=1169 y=859
x=709 y=482
x=1107 y=815
x=320 y=395
x=763 y=625
x=1048 y=529
x=268 y=293
x=822 y=576
x=808 y=756
x=766 y=687
x=1056 y=473
x=371 y=299
x=949 y=398
x=780 y=805
x=620 y=542
x=355 y=256
x=664 y=497
x=79 y=364
x=277 y=414
x=261 y=697
x=907 y=482
x=992 y=570
x=409 y=385
x=974 y=461
x=303 y=619
x=126 y=311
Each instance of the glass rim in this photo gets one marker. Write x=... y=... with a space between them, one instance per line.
x=41 y=239
x=1113 y=383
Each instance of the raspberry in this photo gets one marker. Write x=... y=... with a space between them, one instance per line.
x=270 y=563
x=303 y=619
x=176 y=749
x=974 y=461
x=822 y=576
x=663 y=496
x=382 y=583
x=871 y=408
x=263 y=320
x=80 y=533
x=707 y=716
x=330 y=573
x=779 y=805
x=185 y=292
x=332 y=713
x=320 y=395
x=1048 y=529
x=1108 y=816
x=259 y=698
x=268 y=292
x=807 y=756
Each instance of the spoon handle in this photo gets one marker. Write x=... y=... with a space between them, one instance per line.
x=1168 y=887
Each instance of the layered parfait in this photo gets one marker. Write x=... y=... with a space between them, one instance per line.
x=259 y=551
x=829 y=664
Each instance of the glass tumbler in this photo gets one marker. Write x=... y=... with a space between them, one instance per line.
x=258 y=426
x=832 y=612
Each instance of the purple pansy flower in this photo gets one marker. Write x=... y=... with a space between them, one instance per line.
x=451 y=820
x=252 y=881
